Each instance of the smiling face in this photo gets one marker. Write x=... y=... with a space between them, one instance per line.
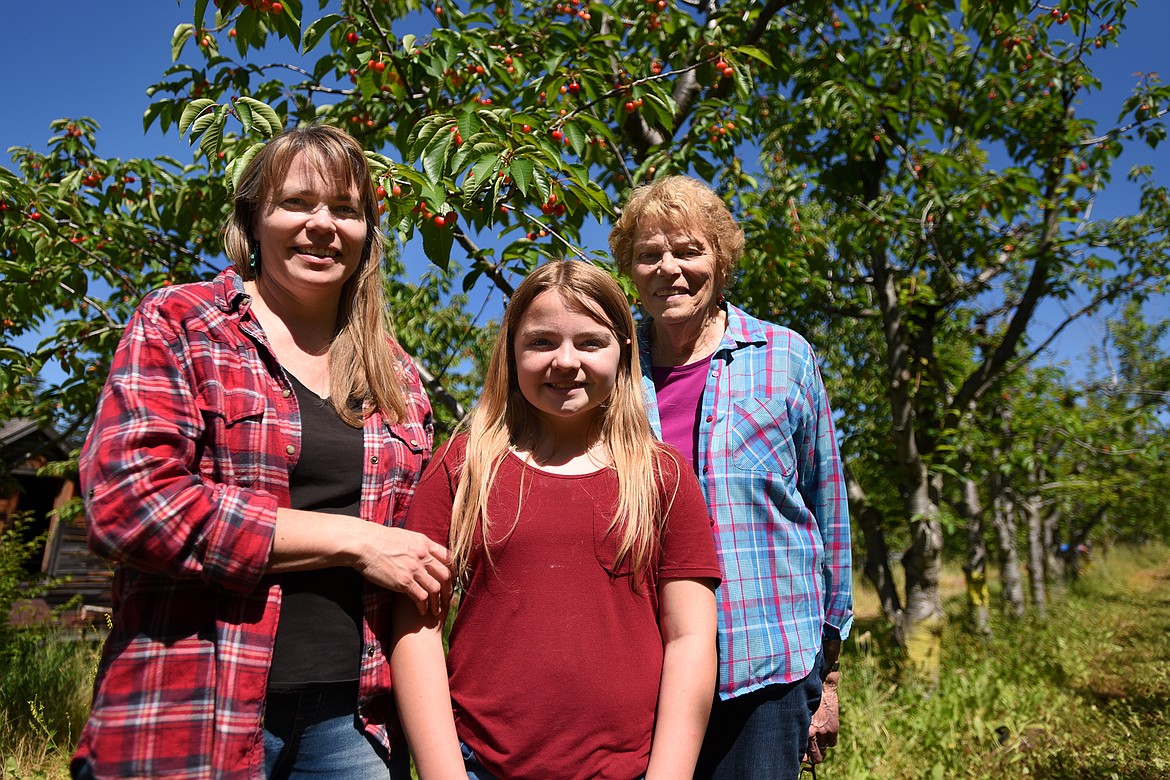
x=310 y=234
x=675 y=272
x=566 y=362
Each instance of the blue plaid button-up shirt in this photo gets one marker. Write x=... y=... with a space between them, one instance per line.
x=772 y=476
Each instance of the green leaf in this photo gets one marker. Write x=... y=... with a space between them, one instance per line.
x=180 y=36
x=318 y=30
x=263 y=116
x=577 y=137
x=200 y=11
x=522 y=173
x=236 y=167
x=435 y=156
x=437 y=244
x=194 y=109
x=755 y=54
x=244 y=112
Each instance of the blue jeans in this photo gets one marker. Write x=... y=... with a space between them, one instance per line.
x=761 y=734
x=314 y=732
x=475 y=770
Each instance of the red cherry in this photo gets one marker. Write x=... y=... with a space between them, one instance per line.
x=574 y=87
x=378 y=66
x=381 y=191
x=277 y=8
x=351 y=38
x=630 y=107
x=440 y=222
x=526 y=128
x=556 y=135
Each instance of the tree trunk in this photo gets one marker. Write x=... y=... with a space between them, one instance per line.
x=877 y=552
x=1052 y=565
x=975 y=569
x=1003 y=519
x=923 y=620
x=1032 y=511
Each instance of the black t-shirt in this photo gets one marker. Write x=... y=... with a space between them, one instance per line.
x=319 y=637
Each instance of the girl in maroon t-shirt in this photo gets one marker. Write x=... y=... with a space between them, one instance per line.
x=584 y=646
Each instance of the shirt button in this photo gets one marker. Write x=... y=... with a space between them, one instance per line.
x=710 y=418
x=369 y=652
x=705 y=469
x=286 y=393
x=291 y=450
x=414 y=442
x=374 y=459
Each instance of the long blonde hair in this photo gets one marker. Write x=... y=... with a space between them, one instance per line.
x=504 y=418
x=362 y=365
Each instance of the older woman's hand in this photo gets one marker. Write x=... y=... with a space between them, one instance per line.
x=407 y=562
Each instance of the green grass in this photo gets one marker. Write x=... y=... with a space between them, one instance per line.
x=1083 y=694
x=46 y=682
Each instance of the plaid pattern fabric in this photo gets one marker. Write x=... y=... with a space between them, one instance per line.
x=771 y=474
x=196 y=433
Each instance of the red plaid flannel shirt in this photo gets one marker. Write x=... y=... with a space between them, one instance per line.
x=189 y=457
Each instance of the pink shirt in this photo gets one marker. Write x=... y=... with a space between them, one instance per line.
x=679 y=389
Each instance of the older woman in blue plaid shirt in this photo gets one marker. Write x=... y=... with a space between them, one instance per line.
x=744 y=399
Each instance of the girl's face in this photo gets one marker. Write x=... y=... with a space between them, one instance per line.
x=566 y=361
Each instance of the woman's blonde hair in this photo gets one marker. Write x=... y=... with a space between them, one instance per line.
x=503 y=418
x=681 y=200
x=362 y=365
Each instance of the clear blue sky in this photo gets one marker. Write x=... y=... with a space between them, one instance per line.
x=85 y=58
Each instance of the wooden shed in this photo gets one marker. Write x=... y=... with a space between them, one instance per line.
x=64 y=558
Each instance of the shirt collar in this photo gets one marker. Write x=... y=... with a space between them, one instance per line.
x=742 y=330
x=229 y=290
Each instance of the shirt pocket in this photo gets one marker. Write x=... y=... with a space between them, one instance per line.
x=605 y=545
x=406 y=448
x=232 y=446
x=761 y=438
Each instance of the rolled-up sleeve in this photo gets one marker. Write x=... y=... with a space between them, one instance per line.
x=153 y=502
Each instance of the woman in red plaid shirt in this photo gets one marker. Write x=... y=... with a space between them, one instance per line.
x=256 y=444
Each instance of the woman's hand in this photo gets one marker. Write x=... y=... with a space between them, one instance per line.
x=392 y=558
x=407 y=562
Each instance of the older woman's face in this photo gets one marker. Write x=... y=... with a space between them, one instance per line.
x=675 y=271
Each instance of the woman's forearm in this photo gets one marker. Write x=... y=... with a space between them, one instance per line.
x=394 y=558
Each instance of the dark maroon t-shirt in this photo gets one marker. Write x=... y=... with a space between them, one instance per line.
x=554 y=660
